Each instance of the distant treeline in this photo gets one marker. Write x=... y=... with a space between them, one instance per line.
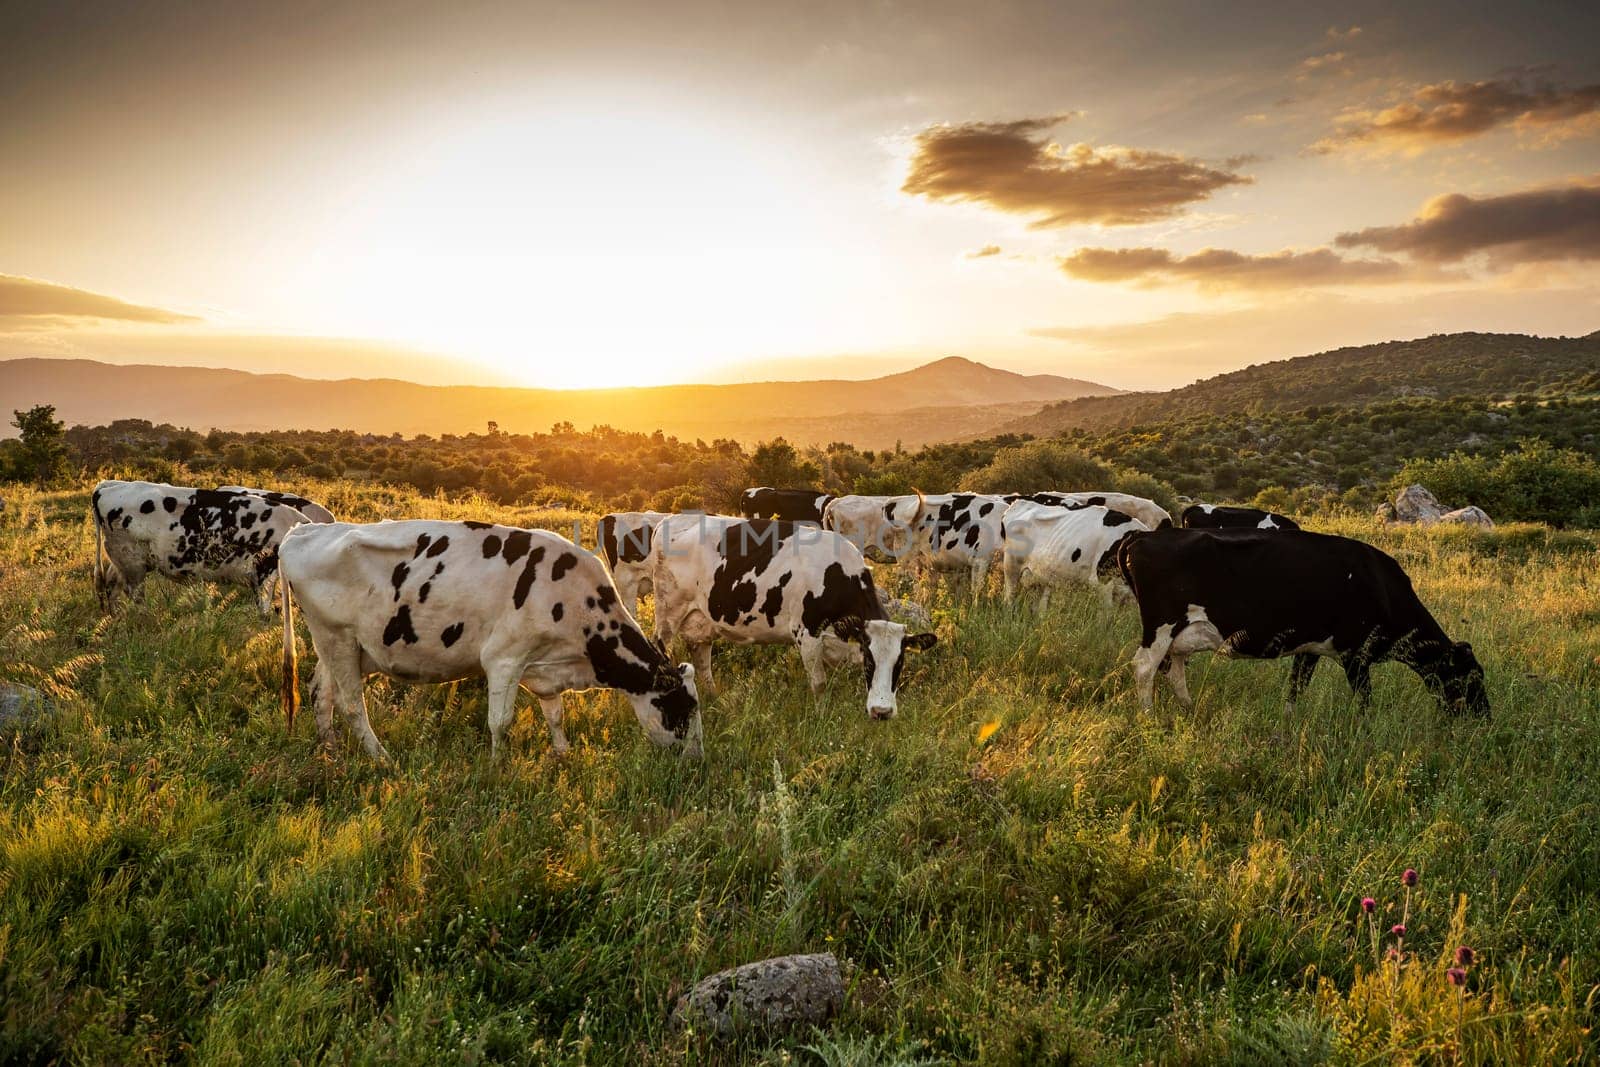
x=1316 y=458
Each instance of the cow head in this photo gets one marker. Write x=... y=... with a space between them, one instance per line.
x=670 y=712
x=1456 y=677
x=884 y=645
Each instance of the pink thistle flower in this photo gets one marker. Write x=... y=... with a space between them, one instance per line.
x=1398 y=929
x=1457 y=976
x=1409 y=878
x=1369 y=905
x=1465 y=957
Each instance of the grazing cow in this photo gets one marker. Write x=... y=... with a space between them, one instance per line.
x=1049 y=546
x=1222 y=517
x=766 y=582
x=433 y=601
x=960 y=532
x=214 y=535
x=624 y=538
x=790 y=505
x=877 y=525
x=313 y=511
x=1146 y=511
x=1271 y=593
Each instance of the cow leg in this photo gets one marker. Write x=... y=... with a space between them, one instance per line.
x=700 y=657
x=322 y=703
x=1299 y=677
x=1147 y=661
x=344 y=670
x=1358 y=670
x=551 y=706
x=263 y=591
x=502 y=708
x=980 y=579
x=812 y=657
x=1044 y=597
x=628 y=593
x=1011 y=572
x=1179 y=683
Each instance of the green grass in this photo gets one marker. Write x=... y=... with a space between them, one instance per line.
x=1086 y=882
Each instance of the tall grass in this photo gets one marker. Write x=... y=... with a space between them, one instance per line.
x=1037 y=869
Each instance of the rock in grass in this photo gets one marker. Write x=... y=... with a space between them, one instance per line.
x=20 y=706
x=1416 y=504
x=1471 y=515
x=773 y=996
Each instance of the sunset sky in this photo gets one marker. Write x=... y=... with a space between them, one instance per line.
x=590 y=193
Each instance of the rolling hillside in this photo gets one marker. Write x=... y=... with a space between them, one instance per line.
x=949 y=398
x=1440 y=366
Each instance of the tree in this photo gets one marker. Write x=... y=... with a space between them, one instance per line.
x=43 y=455
x=776 y=463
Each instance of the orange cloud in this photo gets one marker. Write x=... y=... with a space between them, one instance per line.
x=1453 y=111
x=984 y=253
x=1220 y=268
x=1015 y=168
x=1532 y=226
x=29 y=298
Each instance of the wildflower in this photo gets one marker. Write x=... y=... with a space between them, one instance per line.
x=1369 y=905
x=1465 y=957
x=1398 y=929
x=1457 y=976
x=1409 y=878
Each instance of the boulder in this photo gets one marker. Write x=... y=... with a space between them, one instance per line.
x=1416 y=504
x=775 y=996
x=1384 y=514
x=21 y=705
x=1471 y=515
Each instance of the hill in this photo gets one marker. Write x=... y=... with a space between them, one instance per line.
x=938 y=401
x=1439 y=366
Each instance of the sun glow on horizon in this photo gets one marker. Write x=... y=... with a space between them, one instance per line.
x=571 y=248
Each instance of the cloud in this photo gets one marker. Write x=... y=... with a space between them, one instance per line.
x=23 y=299
x=1220 y=268
x=1326 y=63
x=1533 y=226
x=984 y=253
x=1015 y=168
x=1454 y=111
x=1349 y=33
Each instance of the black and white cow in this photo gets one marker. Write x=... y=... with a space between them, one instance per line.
x=1146 y=511
x=791 y=505
x=1271 y=593
x=1049 y=546
x=313 y=511
x=881 y=526
x=1224 y=517
x=960 y=532
x=434 y=601
x=624 y=540
x=214 y=535
x=760 y=581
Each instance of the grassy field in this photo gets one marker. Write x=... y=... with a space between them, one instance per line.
x=1021 y=868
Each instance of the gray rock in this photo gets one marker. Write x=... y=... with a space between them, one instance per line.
x=906 y=611
x=1471 y=515
x=1416 y=504
x=772 y=996
x=21 y=705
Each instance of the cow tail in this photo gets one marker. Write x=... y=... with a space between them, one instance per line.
x=1126 y=543
x=99 y=556
x=290 y=690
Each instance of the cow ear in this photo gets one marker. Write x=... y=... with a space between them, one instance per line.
x=850 y=628
x=921 y=642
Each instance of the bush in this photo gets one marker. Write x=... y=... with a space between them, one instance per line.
x=1039 y=466
x=1534 y=483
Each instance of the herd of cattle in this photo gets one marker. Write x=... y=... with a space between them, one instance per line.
x=434 y=601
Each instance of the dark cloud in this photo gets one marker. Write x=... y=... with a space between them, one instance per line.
x=1533 y=226
x=29 y=298
x=1454 y=111
x=985 y=252
x=1014 y=167
x=1220 y=268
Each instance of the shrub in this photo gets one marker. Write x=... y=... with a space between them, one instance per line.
x=1534 y=483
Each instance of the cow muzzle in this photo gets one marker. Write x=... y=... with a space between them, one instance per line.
x=880 y=712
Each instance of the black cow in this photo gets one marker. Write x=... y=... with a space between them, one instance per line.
x=1222 y=517
x=790 y=505
x=1270 y=593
